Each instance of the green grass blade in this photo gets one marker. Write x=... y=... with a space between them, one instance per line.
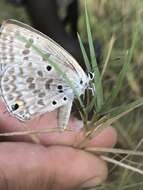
x=116 y=114
x=85 y=57
x=125 y=109
x=120 y=79
x=88 y=66
x=110 y=47
x=123 y=72
x=95 y=70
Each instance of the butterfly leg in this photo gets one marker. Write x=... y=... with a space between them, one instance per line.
x=64 y=115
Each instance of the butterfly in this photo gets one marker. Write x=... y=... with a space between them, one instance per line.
x=30 y=85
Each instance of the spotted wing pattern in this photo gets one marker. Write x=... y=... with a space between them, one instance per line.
x=30 y=85
x=13 y=50
x=31 y=90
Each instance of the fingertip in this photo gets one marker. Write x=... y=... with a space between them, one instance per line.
x=106 y=138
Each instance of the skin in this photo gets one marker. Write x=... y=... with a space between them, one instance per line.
x=55 y=163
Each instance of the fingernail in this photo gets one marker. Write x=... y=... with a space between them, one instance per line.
x=78 y=125
x=92 y=183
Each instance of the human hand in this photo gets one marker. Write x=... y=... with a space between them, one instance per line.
x=56 y=165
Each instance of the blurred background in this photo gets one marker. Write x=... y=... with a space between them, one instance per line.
x=113 y=23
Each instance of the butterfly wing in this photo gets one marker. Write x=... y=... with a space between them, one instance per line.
x=26 y=86
x=14 y=51
x=30 y=90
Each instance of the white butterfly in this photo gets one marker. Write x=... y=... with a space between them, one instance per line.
x=31 y=86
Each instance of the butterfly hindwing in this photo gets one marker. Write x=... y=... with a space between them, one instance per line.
x=33 y=91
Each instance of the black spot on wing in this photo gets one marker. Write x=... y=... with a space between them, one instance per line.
x=15 y=107
x=59 y=87
x=65 y=98
x=54 y=102
x=49 y=68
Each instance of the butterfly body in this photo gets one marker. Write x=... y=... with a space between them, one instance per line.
x=30 y=84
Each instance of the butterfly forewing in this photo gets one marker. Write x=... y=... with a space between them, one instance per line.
x=12 y=46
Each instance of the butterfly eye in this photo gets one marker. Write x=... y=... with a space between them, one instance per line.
x=48 y=68
x=91 y=75
x=15 y=107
